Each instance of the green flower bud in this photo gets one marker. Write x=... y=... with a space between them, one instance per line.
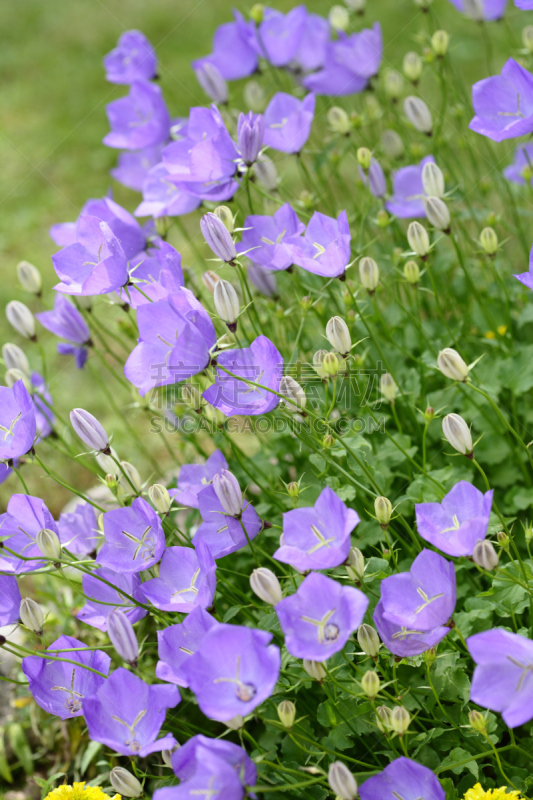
x=256 y=13
x=338 y=120
x=383 y=718
x=160 y=498
x=125 y=783
x=293 y=490
x=388 y=387
x=31 y=615
x=383 y=509
x=314 y=669
x=440 y=42
x=400 y=720
x=331 y=364
x=527 y=38
x=477 y=721
x=370 y=684
x=328 y=441
x=412 y=66
x=430 y=656
x=488 y=238
x=411 y=270
x=364 y=157
x=368 y=640
x=355 y=564
x=286 y=713
x=226 y=217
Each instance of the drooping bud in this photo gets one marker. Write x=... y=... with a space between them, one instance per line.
x=314 y=669
x=125 y=783
x=458 y=434
x=255 y=96
x=368 y=640
x=212 y=82
x=15 y=358
x=227 y=303
x=218 y=238
x=383 y=718
x=433 y=180
x=364 y=157
x=210 y=280
x=400 y=720
x=418 y=114
x=89 y=430
x=338 y=120
x=318 y=363
x=339 y=18
x=383 y=509
x=338 y=335
x=159 y=497
x=250 y=132
x=393 y=146
x=266 y=173
x=488 y=238
x=286 y=713
x=477 y=721
x=49 y=544
x=452 y=365
x=355 y=564
x=21 y=319
x=370 y=683
x=228 y=491
x=294 y=394
x=266 y=586
x=120 y=631
x=437 y=213
x=330 y=364
x=29 y=277
x=224 y=214
x=418 y=239
x=411 y=270
x=440 y=42
x=393 y=83
x=484 y=555
x=369 y=274
x=341 y=781
x=388 y=387
x=412 y=66
x=31 y=615
x=130 y=480
x=527 y=38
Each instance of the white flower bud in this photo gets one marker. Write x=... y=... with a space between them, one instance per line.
x=485 y=555
x=106 y=463
x=355 y=564
x=388 y=387
x=15 y=358
x=338 y=335
x=452 y=365
x=13 y=375
x=418 y=239
x=224 y=214
x=392 y=144
x=369 y=274
x=411 y=270
x=368 y=640
x=294 y=393
x=440 y=42
x=160 y=498
x=227 y=303
x=400 y=720
x=418 y=114
x=356 y=5
x=125 y=783
x=49 y=544
x=314 y=669
x=412 y=66
x=167 y=755
x=338 y=120
x=437 y=213
x=31 y=615
x=383 y=721
x=228 y=491
x=458 y=434
x=383 y=509
x=21 y=319
x=120 y=631
x=235 y=723
x=393 y=83
x=266 y=173
x=433 y=180
x=266 y=586
x=339 y=18
x=255 y=97
x=370 y=683
x=474 y=9
x=131 y=480
x=286 y=713
x=318 y=361
x=29 y=277
x=210 y=280
x=90 y=431
x=341 y=781
x=488 y=238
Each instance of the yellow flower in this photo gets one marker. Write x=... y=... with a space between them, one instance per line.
x=478 y=793
x=78 y=792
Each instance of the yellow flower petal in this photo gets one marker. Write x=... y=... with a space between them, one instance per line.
x=78 y=792
x=478 y=793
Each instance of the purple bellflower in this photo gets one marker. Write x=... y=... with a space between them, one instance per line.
x=133 y=59
x=503 y=677
x=139 y=120
x=154 y=274
x=9 y=600
x=349 y=63
x=233 y=671
x=186 y=580
x=60 y=686
x=222 y=532
x=177 y=643
x=524 y=5
x=263 y=280
x=319 y=618
x=527 y=277
x=250 y=132
x=280 y=34
x=375 y=179
x=67 y=322
x=17 y=421
x=269 y=238
x=260 y=363
x=480 y=10
x=162 y=197
x=134 y=538
x=455 y=525
x=133 y=166
x=42 y=399
x=102 y=598
x=407 y=200
x=317 y=537
x=325 y=247
x=175 y=340
x=19 y=526
x=187 y=758
x=78 y=530
x=523 y=159
x=311 y=52
x=403 y=778
x=288 y=122
x=503 y=104
x=126 y=714
x=235 y=52
x=212 y=777
x=406 y=642
x=193 y=478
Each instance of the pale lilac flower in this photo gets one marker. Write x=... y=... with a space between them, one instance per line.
x=78 y=530
x=349 y=63
x=312 y=49
x=9 y=600
x=133 y=166
x=263 y=279
x=403 y=778
x=269 y=238
x=406 y=642
x=480 y=10
x=19 y=527
x=42 y=400
x=164 y=198
x=133 y=59
x=155 y=274
x=222 y=532
x=407 y=200
x=235 y=51
x=186 y=580
x=212 y=776
x=288 y=122
x=193 y=478
x=325 y=247
x=250 y=132
x=375 y=179
x=503 y=104
x=139 y=120
x=134 y=538
x=280 y=35
x=17 y=421
x=212 y=81
x=67 y=322
x=177 y=643
x=527 y=277
x=187 y=759
x=103 y=596
x=523 y=160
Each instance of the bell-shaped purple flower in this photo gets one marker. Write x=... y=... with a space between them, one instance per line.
x=103 y=596
x=280 y=34
x=250 y=133
x=317 y=537
x=503 y=679
x=139 y=120
x=9 y=600
x=175 y=339
x=403 y=778
x=133 y=166
x=263 y=279
x=177 y=643
x=60 y=687
x=349 y=63
x=212 y=81
x=218 y=238
x=186 y=580
x=403 y=641
x=527 y=277
x=233 y=671
x=480 y=10
x=503 y=104
x=407 y=200
x=523 y=158
x=19 y=527
x=212 y=776
x=319 y=618
x=325 y=247
x=187 y=759
x=311 y=52
x=455 y=525
x=155 y=274
x=222 y=532
x=164 y=198
x=134 y=538
x=126 y=714
x=78 y=530
x=17 y=421
x=123 y=637
x=235 y=51
x=268 y=238
x=133 y=59
x=193 y=478
x=375 y=179
x=524 y=5
x=260 y=363
x=288 y=122
x=67 y=322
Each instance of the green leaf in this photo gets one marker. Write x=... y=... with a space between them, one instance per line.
x=21 y=748
x=457 y=756
x=92 y=749
x=231 y=612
